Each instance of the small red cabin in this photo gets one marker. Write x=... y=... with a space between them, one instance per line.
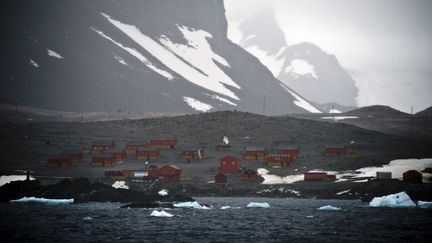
x=249 y=175
x=114 y=174
x=192 y=154
x=132 y=147
x=117 y=154
x=294 y=152
x=413 y=176
x=278 y=160
x=75 y=155
x=169 y=173
x=335 y=151
x=147 y=154
x=230 y=164
x=318 y=176
x=163 y=143
x=255 y=153
x=103 y=160
x=100 y=146
x=221 y=179
x=60 y=161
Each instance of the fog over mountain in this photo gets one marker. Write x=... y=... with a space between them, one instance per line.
x=153 y=56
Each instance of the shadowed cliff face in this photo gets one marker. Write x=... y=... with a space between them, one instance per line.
x=152 y=56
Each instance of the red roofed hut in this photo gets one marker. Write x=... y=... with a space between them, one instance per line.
x=147 y=154
x=192 y=153
x=100 y=146
x=103 y=160
x=293 y=151
x=413 y=176
x=278 y=160
x=163 y=143
x=60 y=161
x=221 y=179
x=335 y=151
x=249 y=175
x=169 y=174
x=117 y=154
x=132 y=147
x=230 y=164
x=255 y=153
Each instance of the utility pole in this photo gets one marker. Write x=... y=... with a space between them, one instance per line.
x=264 y=104
x=81 y=141
x=412 y=110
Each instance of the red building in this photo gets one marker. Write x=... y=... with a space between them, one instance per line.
x=335 y=151
x=294 y=152
x=249 y=175
x=60 y=161
x=100 y=146
x=169 y=173
x=75 y=155
x=229 y=164
x=278 y=160
x=103 y=160
x=191 y=154
x=413 y=176
x=318 y=176
x=221 y=179
x=132 y=147
x=255 y=153
x=117 y=154
x=147 y=153
x=114 y=174
x=163 y=143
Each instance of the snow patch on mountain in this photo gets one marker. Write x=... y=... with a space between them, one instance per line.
x=121 y=60
x=217 y=97
x=33 y=63
x=197 y=105
x=52 y=53
x=167 y=56
x=136 y=54
x=273 y=62
x=301 y=67
x=300 y=102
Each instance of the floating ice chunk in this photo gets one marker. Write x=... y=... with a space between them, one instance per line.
x=5 y=179
x=193 y=204
x=258 y=205
x=52 y=53
x=329 y=208
x=424 y=204
x=120 y=185
x=162 y=213
x=398 y=200
x=163 y=192
x=343 y=192
x=309 y=216
x=45 y=201
x=88 y=218
x=225 y=207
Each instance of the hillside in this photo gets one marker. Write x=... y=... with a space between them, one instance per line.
x=425 y=113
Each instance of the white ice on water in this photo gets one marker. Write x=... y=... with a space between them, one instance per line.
x=193 y=204
x=52 y=53
x=329 y=208
x=343 y=192
x=258 y=205
x=120 y=185
x=163 y=192
x=229 y=207
x=88 y=218
x=398 y=200
x=5 y=179
x=45 y=201
x=161 y=213
x=424 y=204
x=197 y=105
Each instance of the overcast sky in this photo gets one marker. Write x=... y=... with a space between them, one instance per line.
x=385 y=44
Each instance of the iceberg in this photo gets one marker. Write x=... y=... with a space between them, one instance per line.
x=398 y=200
x=258 y=205
x=44 y=201
x=424 y=204
x=163 y=192
x=190 y=205
x=329 y=208
x=162 y=213
x=229 y=207
x=88 y=218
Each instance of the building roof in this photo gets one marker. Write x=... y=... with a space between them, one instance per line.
x=147 y=149
x=172 y=166
x=230 y=157
x=103 y=156
x=275 y=155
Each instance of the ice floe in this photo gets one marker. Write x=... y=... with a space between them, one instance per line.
x=193 y=204
x=188 y=64
x=163 y=192
x=398 y=200
x=300 y=102
x=161 y=213
x=197 y=105
x=329 y=208
x=424 y=204
x=258 y=205
x=136 y=54
x=44 y=201
x=120 y=185
x=52 y=53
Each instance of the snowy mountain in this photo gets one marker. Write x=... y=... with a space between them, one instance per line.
x=168 y=56
x=304 y=67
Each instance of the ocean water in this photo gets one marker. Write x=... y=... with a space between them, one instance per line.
x=287 y=220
